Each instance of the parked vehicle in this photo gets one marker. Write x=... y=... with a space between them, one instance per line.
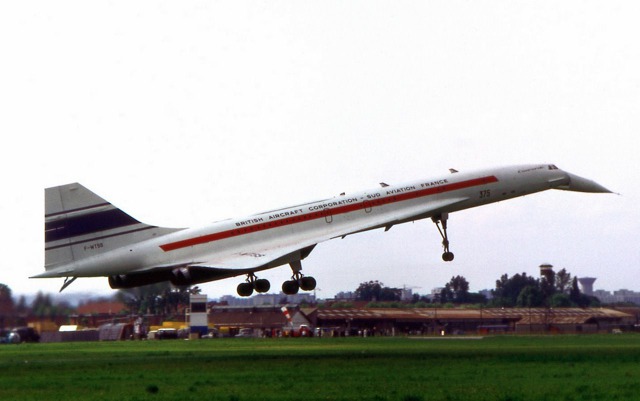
x=9 y=337
x=26 y=335
x=166 y=334
x=245 y=333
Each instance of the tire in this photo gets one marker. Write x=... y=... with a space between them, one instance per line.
x=307 y=283
x=245 y=289
x=262 y=285
x=290 y=287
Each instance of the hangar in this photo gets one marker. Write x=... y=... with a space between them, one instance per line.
x=433 y=321
x=424 y=321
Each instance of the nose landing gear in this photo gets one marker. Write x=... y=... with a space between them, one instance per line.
x=447 y=256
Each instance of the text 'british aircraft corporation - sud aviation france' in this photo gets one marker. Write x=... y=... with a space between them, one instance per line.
x=86 y=236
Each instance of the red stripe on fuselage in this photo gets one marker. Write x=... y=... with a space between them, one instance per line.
x=329 y=211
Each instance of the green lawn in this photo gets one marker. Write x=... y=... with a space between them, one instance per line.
x=586 y=367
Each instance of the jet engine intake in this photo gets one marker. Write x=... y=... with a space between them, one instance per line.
x=181 y=277
x=186 y=276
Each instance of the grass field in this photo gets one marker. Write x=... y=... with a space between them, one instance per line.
x=594 y=367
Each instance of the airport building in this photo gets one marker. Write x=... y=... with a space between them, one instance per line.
x=434 y=321
x=270 y=321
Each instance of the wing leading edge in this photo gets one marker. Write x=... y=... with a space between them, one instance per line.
x=264 y=257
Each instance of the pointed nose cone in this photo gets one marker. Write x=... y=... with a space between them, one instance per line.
x=579 y=184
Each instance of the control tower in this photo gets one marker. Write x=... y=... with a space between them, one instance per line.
x=587 y=285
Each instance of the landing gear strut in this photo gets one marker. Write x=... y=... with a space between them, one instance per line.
x=298 y=280
x=447 y=256
x=253 y=283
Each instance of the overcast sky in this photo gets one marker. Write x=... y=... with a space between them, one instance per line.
x=183 y=113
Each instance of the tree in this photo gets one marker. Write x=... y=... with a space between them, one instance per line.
x=6 y=300
x=548 y=283
x=446 y=294
x=574 y=293
x=159 y=299
x=369 y=291
x=508 y=289
x=563 y=281
x=560 y=300
x=43 y=306
x=21 y=307
x=455 y=291
x=552 y=290
x=373 y=291
x=477 y=298
x=390 y=294
x=460 y=287
x=144 y=299
x=531 y=296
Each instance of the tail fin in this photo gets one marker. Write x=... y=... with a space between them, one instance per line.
x=80 y=224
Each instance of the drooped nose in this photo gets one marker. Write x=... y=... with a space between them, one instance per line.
x=579 y=184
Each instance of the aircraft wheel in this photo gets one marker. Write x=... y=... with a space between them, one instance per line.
x=308 y=283
x=290 y=287
x=245 y=289
x=262 y=285
x=447 y=256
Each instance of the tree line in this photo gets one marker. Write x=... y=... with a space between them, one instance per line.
x=551 y=290
x=157 y=299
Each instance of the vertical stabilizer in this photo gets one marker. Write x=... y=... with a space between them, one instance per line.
x=80 y=224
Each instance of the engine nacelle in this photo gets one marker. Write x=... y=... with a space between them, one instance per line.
x=180 y=277
x=137 y=279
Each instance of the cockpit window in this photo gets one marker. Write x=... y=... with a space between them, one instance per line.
x=553 y=167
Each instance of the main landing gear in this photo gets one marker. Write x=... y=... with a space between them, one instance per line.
x=253 y=283
x=290 y=287
x=447 y=256
x=298 y=280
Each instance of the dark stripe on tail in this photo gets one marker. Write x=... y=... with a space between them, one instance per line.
x=87 y=224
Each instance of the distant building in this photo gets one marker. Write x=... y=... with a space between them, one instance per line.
x=619 y=296
x=406 y=294
x=268 y=299
x=435 y=294
x=345 y=296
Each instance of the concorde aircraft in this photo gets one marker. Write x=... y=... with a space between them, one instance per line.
x=86 y=236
